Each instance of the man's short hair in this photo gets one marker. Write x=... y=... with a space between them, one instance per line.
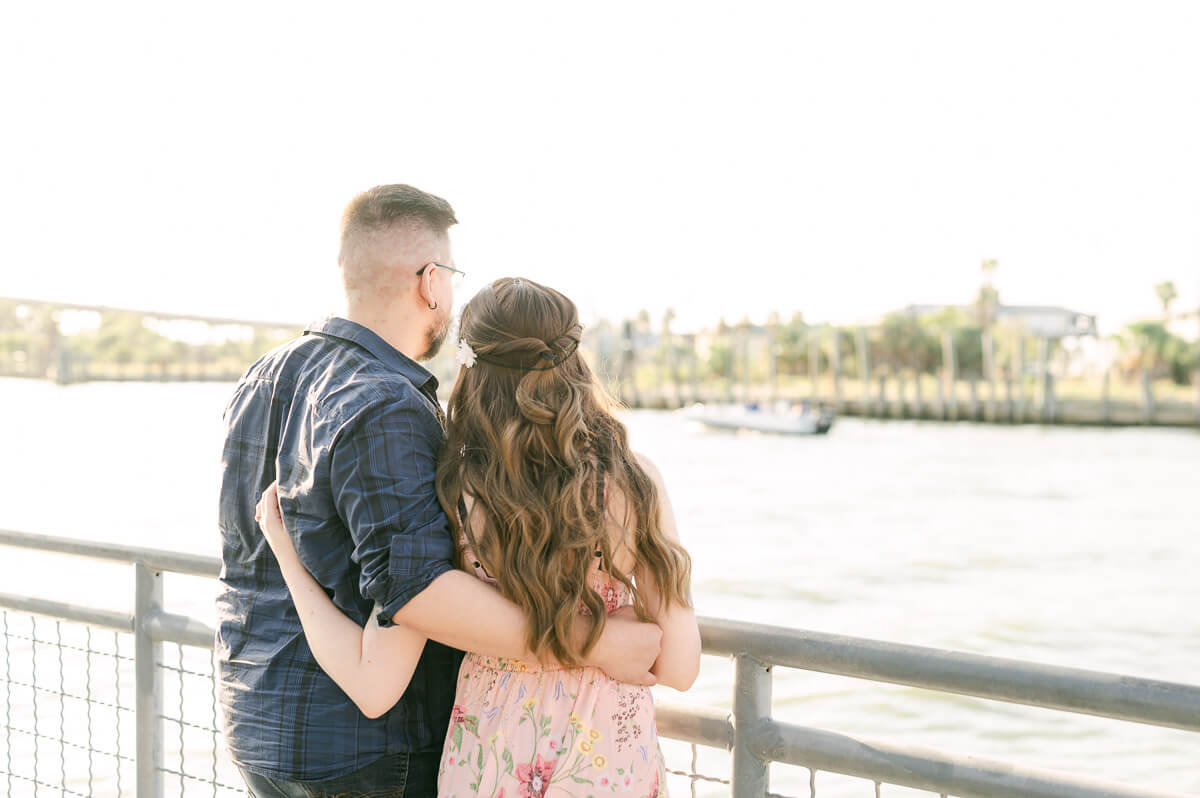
x=397 y=204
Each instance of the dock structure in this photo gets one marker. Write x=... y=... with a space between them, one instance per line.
x=1012 y=377
x=860 y=371
x=161 y=761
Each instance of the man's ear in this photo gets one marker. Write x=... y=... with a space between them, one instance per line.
x=425 y=286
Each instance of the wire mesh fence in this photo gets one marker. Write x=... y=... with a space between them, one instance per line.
x=69 y=725
x=693 y=769
x=69 y=714
x=793 y=781
x=89 y=711
x=702 y=772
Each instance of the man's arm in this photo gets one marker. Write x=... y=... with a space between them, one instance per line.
x=383 y=469
x=373 y=666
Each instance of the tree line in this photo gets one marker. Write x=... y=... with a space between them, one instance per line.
x=900 y=344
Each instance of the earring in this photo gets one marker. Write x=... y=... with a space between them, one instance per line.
x=434 y=306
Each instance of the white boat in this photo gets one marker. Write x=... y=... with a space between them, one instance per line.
x=781 y=418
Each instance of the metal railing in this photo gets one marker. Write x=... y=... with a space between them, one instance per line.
x=137 y=640
x=750 y=734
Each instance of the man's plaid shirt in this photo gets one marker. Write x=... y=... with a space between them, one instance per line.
x=352 y=428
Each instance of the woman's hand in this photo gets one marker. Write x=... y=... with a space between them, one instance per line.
x=270 y=521
x=372 y=666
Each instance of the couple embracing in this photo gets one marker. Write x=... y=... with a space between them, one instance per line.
x=369 y=540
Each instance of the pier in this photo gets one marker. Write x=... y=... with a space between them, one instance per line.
x=904 y=367
x=896 y=370
x=165 y=652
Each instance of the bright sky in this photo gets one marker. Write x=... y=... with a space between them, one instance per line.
x=840 y=159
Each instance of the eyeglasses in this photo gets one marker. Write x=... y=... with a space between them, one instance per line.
x=456 y=275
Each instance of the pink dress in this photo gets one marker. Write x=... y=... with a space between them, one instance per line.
x=521 y=730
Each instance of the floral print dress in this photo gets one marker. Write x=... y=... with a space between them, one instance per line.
x=521 y=730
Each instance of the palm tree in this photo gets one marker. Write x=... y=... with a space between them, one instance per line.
x=1147 y=346
x=790 y=339
x=668 y=351
x=905 y=344
x=988 y=298
x=1166 y=295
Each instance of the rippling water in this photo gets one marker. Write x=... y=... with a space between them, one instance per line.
x=1060 y=545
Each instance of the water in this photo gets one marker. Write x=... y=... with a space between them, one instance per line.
x=1066 y=546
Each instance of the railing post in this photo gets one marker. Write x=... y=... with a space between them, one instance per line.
x=751 y=706
x=148 y=596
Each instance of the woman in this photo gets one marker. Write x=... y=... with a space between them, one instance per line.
x=551 y=507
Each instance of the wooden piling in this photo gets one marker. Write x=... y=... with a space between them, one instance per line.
x=1106 y=397
x=1043 y=372
x=814 y=361
x=864 y=369
x=988 y=343
x=1148 y=404
x=1022 y=400
x=772 y=363
x=949 y=374
x=1009 y=413
x=835 y=354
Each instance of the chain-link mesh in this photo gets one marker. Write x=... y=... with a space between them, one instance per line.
x=794 y=779
x=693 y=774
x=193 y=756
x=69 y=725
x=790 y=781
x=62 y=681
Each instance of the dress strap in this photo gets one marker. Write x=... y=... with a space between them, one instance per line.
x=604 y=510
x=470 y=558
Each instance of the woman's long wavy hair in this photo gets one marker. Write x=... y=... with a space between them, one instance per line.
x=532 y=439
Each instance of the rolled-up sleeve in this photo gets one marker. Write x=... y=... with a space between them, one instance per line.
x=382 y=471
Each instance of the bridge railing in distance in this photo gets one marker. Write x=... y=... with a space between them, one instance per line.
x=76 y=687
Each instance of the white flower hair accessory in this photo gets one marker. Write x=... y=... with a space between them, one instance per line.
x=465 y=356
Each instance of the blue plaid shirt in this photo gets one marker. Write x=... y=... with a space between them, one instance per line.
x=352 y=428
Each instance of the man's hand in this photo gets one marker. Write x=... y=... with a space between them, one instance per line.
x=627 y=649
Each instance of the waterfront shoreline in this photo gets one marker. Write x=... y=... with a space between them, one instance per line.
x=1067 y=413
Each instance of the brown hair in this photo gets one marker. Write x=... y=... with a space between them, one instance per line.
x=394 y=204
x=531 y=437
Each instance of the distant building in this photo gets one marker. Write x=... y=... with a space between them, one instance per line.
x=1041 y=321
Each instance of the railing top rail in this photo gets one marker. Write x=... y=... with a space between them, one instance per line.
x=156 y=559
x=1077 y=690
x=931 y=769
x=1088 y=692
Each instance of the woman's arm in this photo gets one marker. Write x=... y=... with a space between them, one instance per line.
x=679 y=662
x=372 y=665
x=403 y=550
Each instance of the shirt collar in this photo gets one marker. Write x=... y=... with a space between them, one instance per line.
x=387 y=354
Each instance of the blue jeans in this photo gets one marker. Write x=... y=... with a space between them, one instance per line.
x=391 y=776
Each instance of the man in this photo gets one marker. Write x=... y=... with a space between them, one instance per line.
x=350 y=425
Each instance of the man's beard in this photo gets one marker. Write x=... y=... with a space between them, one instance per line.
x=436 y=336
